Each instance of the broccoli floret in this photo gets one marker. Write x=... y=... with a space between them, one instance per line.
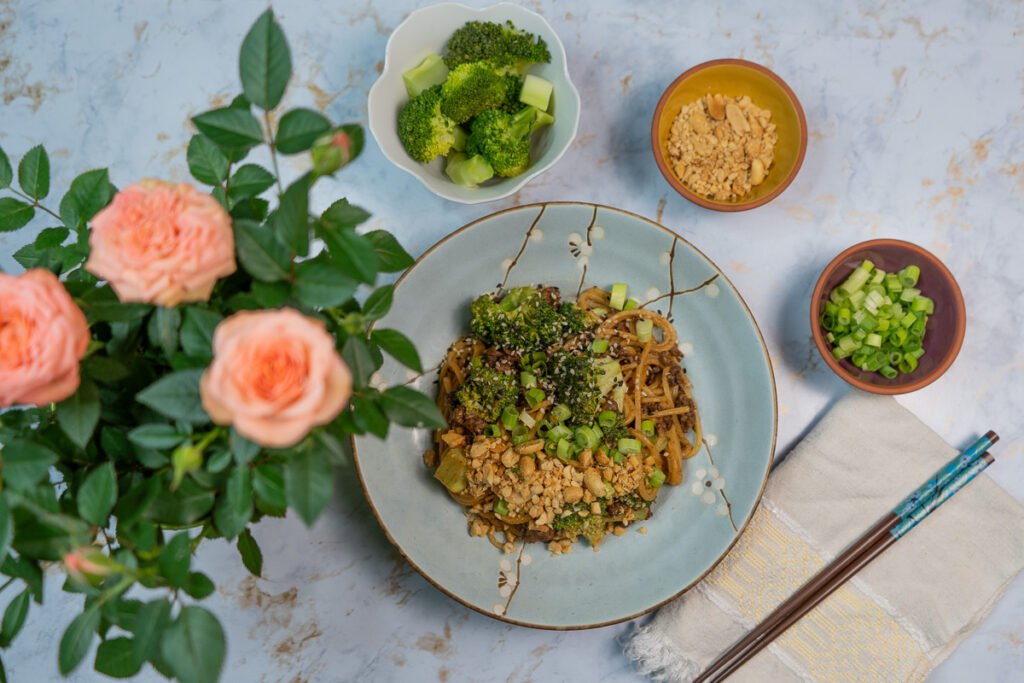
x=471 y=89
x=574 y=318
x=574 y=378
x=503 y=139
x=616 y=431
x=590 y=527
x=522 y=319
x=425 y=132
x=480 y=40
x=486 y=392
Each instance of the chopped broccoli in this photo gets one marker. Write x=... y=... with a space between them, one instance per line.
x=503 y=139
x=574 y=378
x=615 y=431
x=485 y=40
x=425 y=132
x=471 y=89
x=487 y=392
x=522 y=319
x=591 y=527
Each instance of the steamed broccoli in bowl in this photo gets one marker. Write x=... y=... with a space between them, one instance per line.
x=478 y=92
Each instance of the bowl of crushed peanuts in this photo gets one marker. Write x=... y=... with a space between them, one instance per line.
x=729 y=135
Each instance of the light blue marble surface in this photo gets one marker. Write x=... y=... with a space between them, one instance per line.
x=916 y=115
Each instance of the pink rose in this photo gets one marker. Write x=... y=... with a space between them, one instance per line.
x=162 y=243
x=275 y=375
x=43 y=336
x=89 y=566
x=330 y=152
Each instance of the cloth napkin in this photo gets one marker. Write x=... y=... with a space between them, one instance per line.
x=900 y=616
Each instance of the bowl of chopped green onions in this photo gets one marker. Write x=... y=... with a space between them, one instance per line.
x=888 y=316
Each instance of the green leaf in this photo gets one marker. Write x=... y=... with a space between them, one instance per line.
x=268 y=484
x=399 y=347
x=343 y=216
x=360 y=361
x=378 y=303
x=299 y=129
x=265 y=63
x=252 y=209
x=157 y=436
x=14 y=214
x=49 y=238
x=392 y=257
x=234 y=508
x=308 y=483
x=182 y=507
x=102 y=303
x=163 y=329
x=25 y=463
x=199 y=585
x=252 y=556
x=14 y=617
x=230 y=127
x=319 y=283
x=262 y=254
x=114 y=658
x=291 y=220
x=89 y=192
x=410 y=408
x=370 y=417
x=175 y=559
x=218 y=461
x=98 y=494
x=77 y=639
x=193 y=646
x=353 y=253
x=206 y=162
x=176 y=395
x=149 y=628
x=34 y=173
x=78 y=414
x=248 y=181
x=242 y=448
x=6 y=527
x=123 y=611
x=6 y=173
x=197 y=332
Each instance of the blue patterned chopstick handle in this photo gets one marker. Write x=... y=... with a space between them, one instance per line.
x=940 y=496
x=944 y=475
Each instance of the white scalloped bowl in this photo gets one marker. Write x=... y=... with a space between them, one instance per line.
x=425 y=32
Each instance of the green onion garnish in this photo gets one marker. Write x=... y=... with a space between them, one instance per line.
x=564 y=450
x=599 y=345
x=631 y=304
x=559 y=432
x=607 y=419
x=520 y=434
x=618 y=297
x=560 y=413
x=617 y=456
x=647 y=427
x=644 y=330
x=493 y=430
x=527 y=379
x=878 y=320
x=586 y=437
x=527 y=419
x=629 y=445
x=501 y=508
x=509 y=417
x=534 y=396
x=656 y=478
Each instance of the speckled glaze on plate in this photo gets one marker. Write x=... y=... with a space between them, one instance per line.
x=693 y=525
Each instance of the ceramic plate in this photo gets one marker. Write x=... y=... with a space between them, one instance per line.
x=693 y=525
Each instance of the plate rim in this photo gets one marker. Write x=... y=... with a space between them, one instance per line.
x=742 y=527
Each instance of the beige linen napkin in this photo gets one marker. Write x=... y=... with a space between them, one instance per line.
x=900 y=616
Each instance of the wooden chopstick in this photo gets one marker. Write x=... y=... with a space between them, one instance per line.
x=942 y=485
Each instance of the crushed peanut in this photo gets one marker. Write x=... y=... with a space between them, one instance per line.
x=722 y=147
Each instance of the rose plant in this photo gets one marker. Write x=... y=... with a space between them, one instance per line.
x=177 y=364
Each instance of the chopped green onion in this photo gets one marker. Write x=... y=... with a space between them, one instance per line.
x=520 y=434
x=843 y=317
x=509 y=417
x=617 y=457
x=908 y=364
x=631 y=304
x=909 y=276
x=848 y=343
x=560 y=413
x=607 y=419
x=527 y=419
x=501 y=508
x=564 y=450
x=908 y=320
x=599 y=345
x=909 y=294
x=873 y=340
x=618 y=296
x=888 y=371
x=543 y=427
x=559 y=432
x=629 y=445
x=857 y=279
x=585 y=437
x=647 y=427
x=644 y=330
x=656 y=478
x=527 y=379
x=493 y=430
x=534 y=397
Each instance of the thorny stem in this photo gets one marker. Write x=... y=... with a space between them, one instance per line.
x=273 y=151
x=35 y=203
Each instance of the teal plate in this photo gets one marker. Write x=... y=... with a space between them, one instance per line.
x=694 y=525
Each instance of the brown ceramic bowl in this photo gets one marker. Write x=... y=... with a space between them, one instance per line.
x=945 y=331
x=735 y=77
